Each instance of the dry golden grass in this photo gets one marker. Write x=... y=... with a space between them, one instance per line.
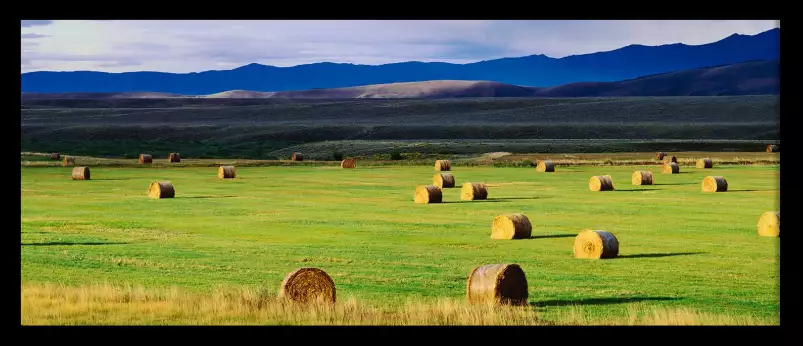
x=48 y=304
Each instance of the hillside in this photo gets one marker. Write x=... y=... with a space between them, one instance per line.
x=750 y=78
x=535 y=70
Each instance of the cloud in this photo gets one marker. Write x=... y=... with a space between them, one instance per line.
x=30 y=23
x=198 y=45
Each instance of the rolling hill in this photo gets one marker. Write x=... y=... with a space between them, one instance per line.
x=535 y=70
x=749 y=78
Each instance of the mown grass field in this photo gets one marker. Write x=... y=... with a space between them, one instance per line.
x=683 y=253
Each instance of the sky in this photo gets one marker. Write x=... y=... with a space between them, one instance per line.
x=182 y=46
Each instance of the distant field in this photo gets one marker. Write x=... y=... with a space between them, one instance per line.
x=271 y=129
x=685 y=256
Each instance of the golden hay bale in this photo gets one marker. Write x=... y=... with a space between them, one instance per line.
x=161 y=190
x=443 y=180
x=668 y=159
x=55 y=156
x=501 y=284
x=601 y=183
x=715 y=184
x=511 y=226
x=348 y=163
x=545 y=166
x=473 y=191
x=660 y=155
x=705 y=163
x=69 y=160
x=80 y=173
x=173 y=157
x=297 y=157
x=226 y=172
x=642 y=178
x=443 y=165
x=670 y=168
x=595 y=244
x=308 y=285
x=769 y=224
x=428 y=194
x=772 y=148
x=145 y=158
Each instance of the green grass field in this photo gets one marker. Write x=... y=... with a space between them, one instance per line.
x=679 y=248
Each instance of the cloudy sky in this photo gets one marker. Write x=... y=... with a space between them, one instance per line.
x=190 y=46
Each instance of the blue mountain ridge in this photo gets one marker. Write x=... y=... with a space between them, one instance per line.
x=535 y=70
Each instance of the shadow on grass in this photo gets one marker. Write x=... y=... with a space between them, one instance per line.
x=751 y=190
x=636 y=190
x=493 y=200
x=207 y=197
x=553 y=236
x=676 y=184
x=104 y=179
x=654 y=255
x=55 y=243
x=598 y=301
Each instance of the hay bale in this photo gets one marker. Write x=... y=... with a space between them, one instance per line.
x=69 y=160
x=443 y=180
x=161 y=190
x=601 y=183
x=670 y=168
x=660 y=155
x=769 y=224
x=772 y=148
x=545 y=166
x=348 y=163
x=511 y=226
x=297 y=157
x=308 y=285
x=428 y=194
x=705 y=163
x=642 y=178
x=226 y=172
x=173 y=157
x=443 y=165
x=668 y=159
x=499 y=284
x=473 y=191
x=145 y=158
x=80 y=173
x=55 y=156
x=715 y=184
x=596 y=244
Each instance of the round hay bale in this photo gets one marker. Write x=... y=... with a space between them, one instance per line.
x=642 y=178
x=499 y=284
x=308 y=285
x=348 y=163
x=596 y=244
x=545 y=166
x=473 y=191
x=443 y=180
x=668 y=159
x=226 y=172
x=715 y=184
x=80 y=173
x=772 y=148
x=660 y=155
x=297 y=157
x=161 y=190
x=55 y=156
x=769 y=224
x=428 y=194
x=600 y=183
x=145 y=158
x=705 y=163
x=173 y=157
x=443 y=165
x=69 y=160
x=670 y=168
x=511 y=226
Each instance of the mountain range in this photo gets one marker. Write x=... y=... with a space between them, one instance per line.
x=534 y=75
